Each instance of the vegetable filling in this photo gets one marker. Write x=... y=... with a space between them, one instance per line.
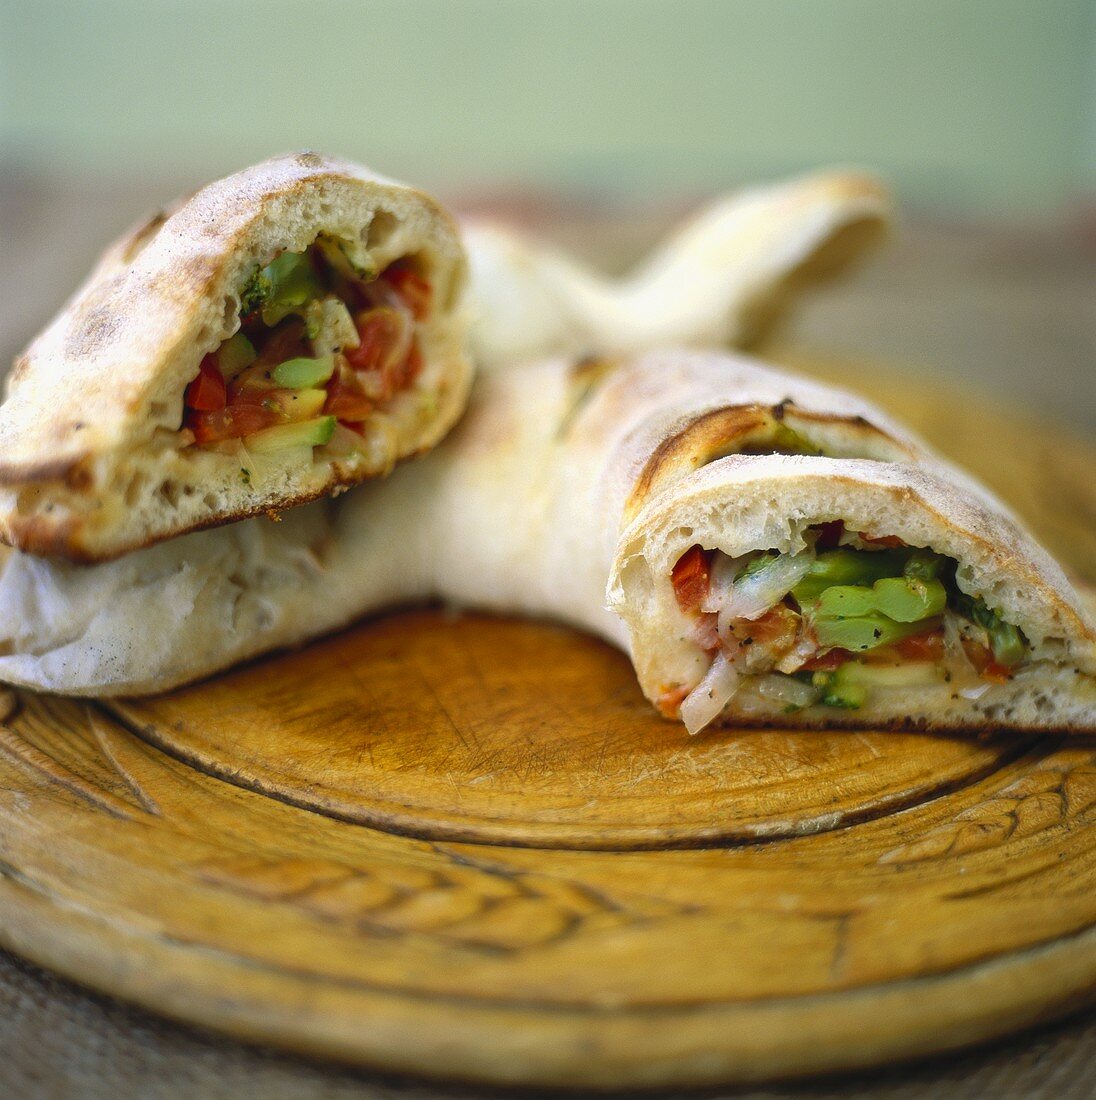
x=848 y=615
x=321 y=345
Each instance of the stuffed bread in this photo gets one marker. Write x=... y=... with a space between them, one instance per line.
x=283 y=333
x=721 y=279
x=747 y=521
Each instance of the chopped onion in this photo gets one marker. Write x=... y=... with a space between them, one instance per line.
x=968 y=680
x=751 y=596
x=724 y=571
x=783 y=689
x=975 y=692
x=706 y=701
x=333 y=325
x=704 y=632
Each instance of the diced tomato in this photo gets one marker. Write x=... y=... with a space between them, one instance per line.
x=385 y=340
x=983 y=660
x=921 y=647
x=889 y=541
x=413 y=289
x=826 y=662
x=691 y=577
x=207 y=392
x=346 y=400
x=233 y=422
x=669 y=702
x=829 y=534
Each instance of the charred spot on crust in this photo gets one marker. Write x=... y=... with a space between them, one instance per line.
x=590 y=367
x=143 y=235
x=727 y=431
x=94 y=330
x=45 y=536
x=185 y=280
x=695 y=445
x=79 y=478
x=585 y=375
x=19 y=368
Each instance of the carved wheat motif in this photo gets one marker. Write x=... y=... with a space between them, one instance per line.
x=1039 y=801
x=41 y=755
x=469 y=906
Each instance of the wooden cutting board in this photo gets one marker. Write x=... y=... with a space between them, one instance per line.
x=464 y=847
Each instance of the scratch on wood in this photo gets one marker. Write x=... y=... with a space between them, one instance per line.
x=840 y=947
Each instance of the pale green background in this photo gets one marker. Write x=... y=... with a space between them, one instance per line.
x=970 y=105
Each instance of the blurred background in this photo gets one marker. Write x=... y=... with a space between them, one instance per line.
x=597 y=122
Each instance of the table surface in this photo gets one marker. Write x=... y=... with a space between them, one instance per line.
x=1006 y=312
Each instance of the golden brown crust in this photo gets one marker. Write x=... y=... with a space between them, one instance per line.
x=715 y=433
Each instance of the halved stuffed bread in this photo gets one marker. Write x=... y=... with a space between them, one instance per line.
x=809 y=590
x=282 y=334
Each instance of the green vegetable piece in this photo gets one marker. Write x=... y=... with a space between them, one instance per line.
x=303 y=433
x=1009 y=647
x=300 y=374
x=845 y=601
x=839 y=689
x=782 y=441
x=1007 y=641
x=844 y=566
x=863 y=632
x=909 y=599
x=284 y=286
x=337 y=254
x=256 y=291
x=236 y=354
x=787 y=441
x=926 y=565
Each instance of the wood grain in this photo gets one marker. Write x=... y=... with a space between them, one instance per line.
x=463 y=847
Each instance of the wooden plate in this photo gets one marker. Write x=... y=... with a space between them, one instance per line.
x=465 y=847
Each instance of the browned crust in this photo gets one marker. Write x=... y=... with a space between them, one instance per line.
x=843 y=721
x=41 y=471
x=49 y=538
x=700 y=441
x=44 y=536
x=584 y=377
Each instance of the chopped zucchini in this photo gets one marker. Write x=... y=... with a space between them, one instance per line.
x=299 y=374
x=304 y=433
x=236 y=354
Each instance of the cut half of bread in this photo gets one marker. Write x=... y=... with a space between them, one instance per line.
x=279 y=335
